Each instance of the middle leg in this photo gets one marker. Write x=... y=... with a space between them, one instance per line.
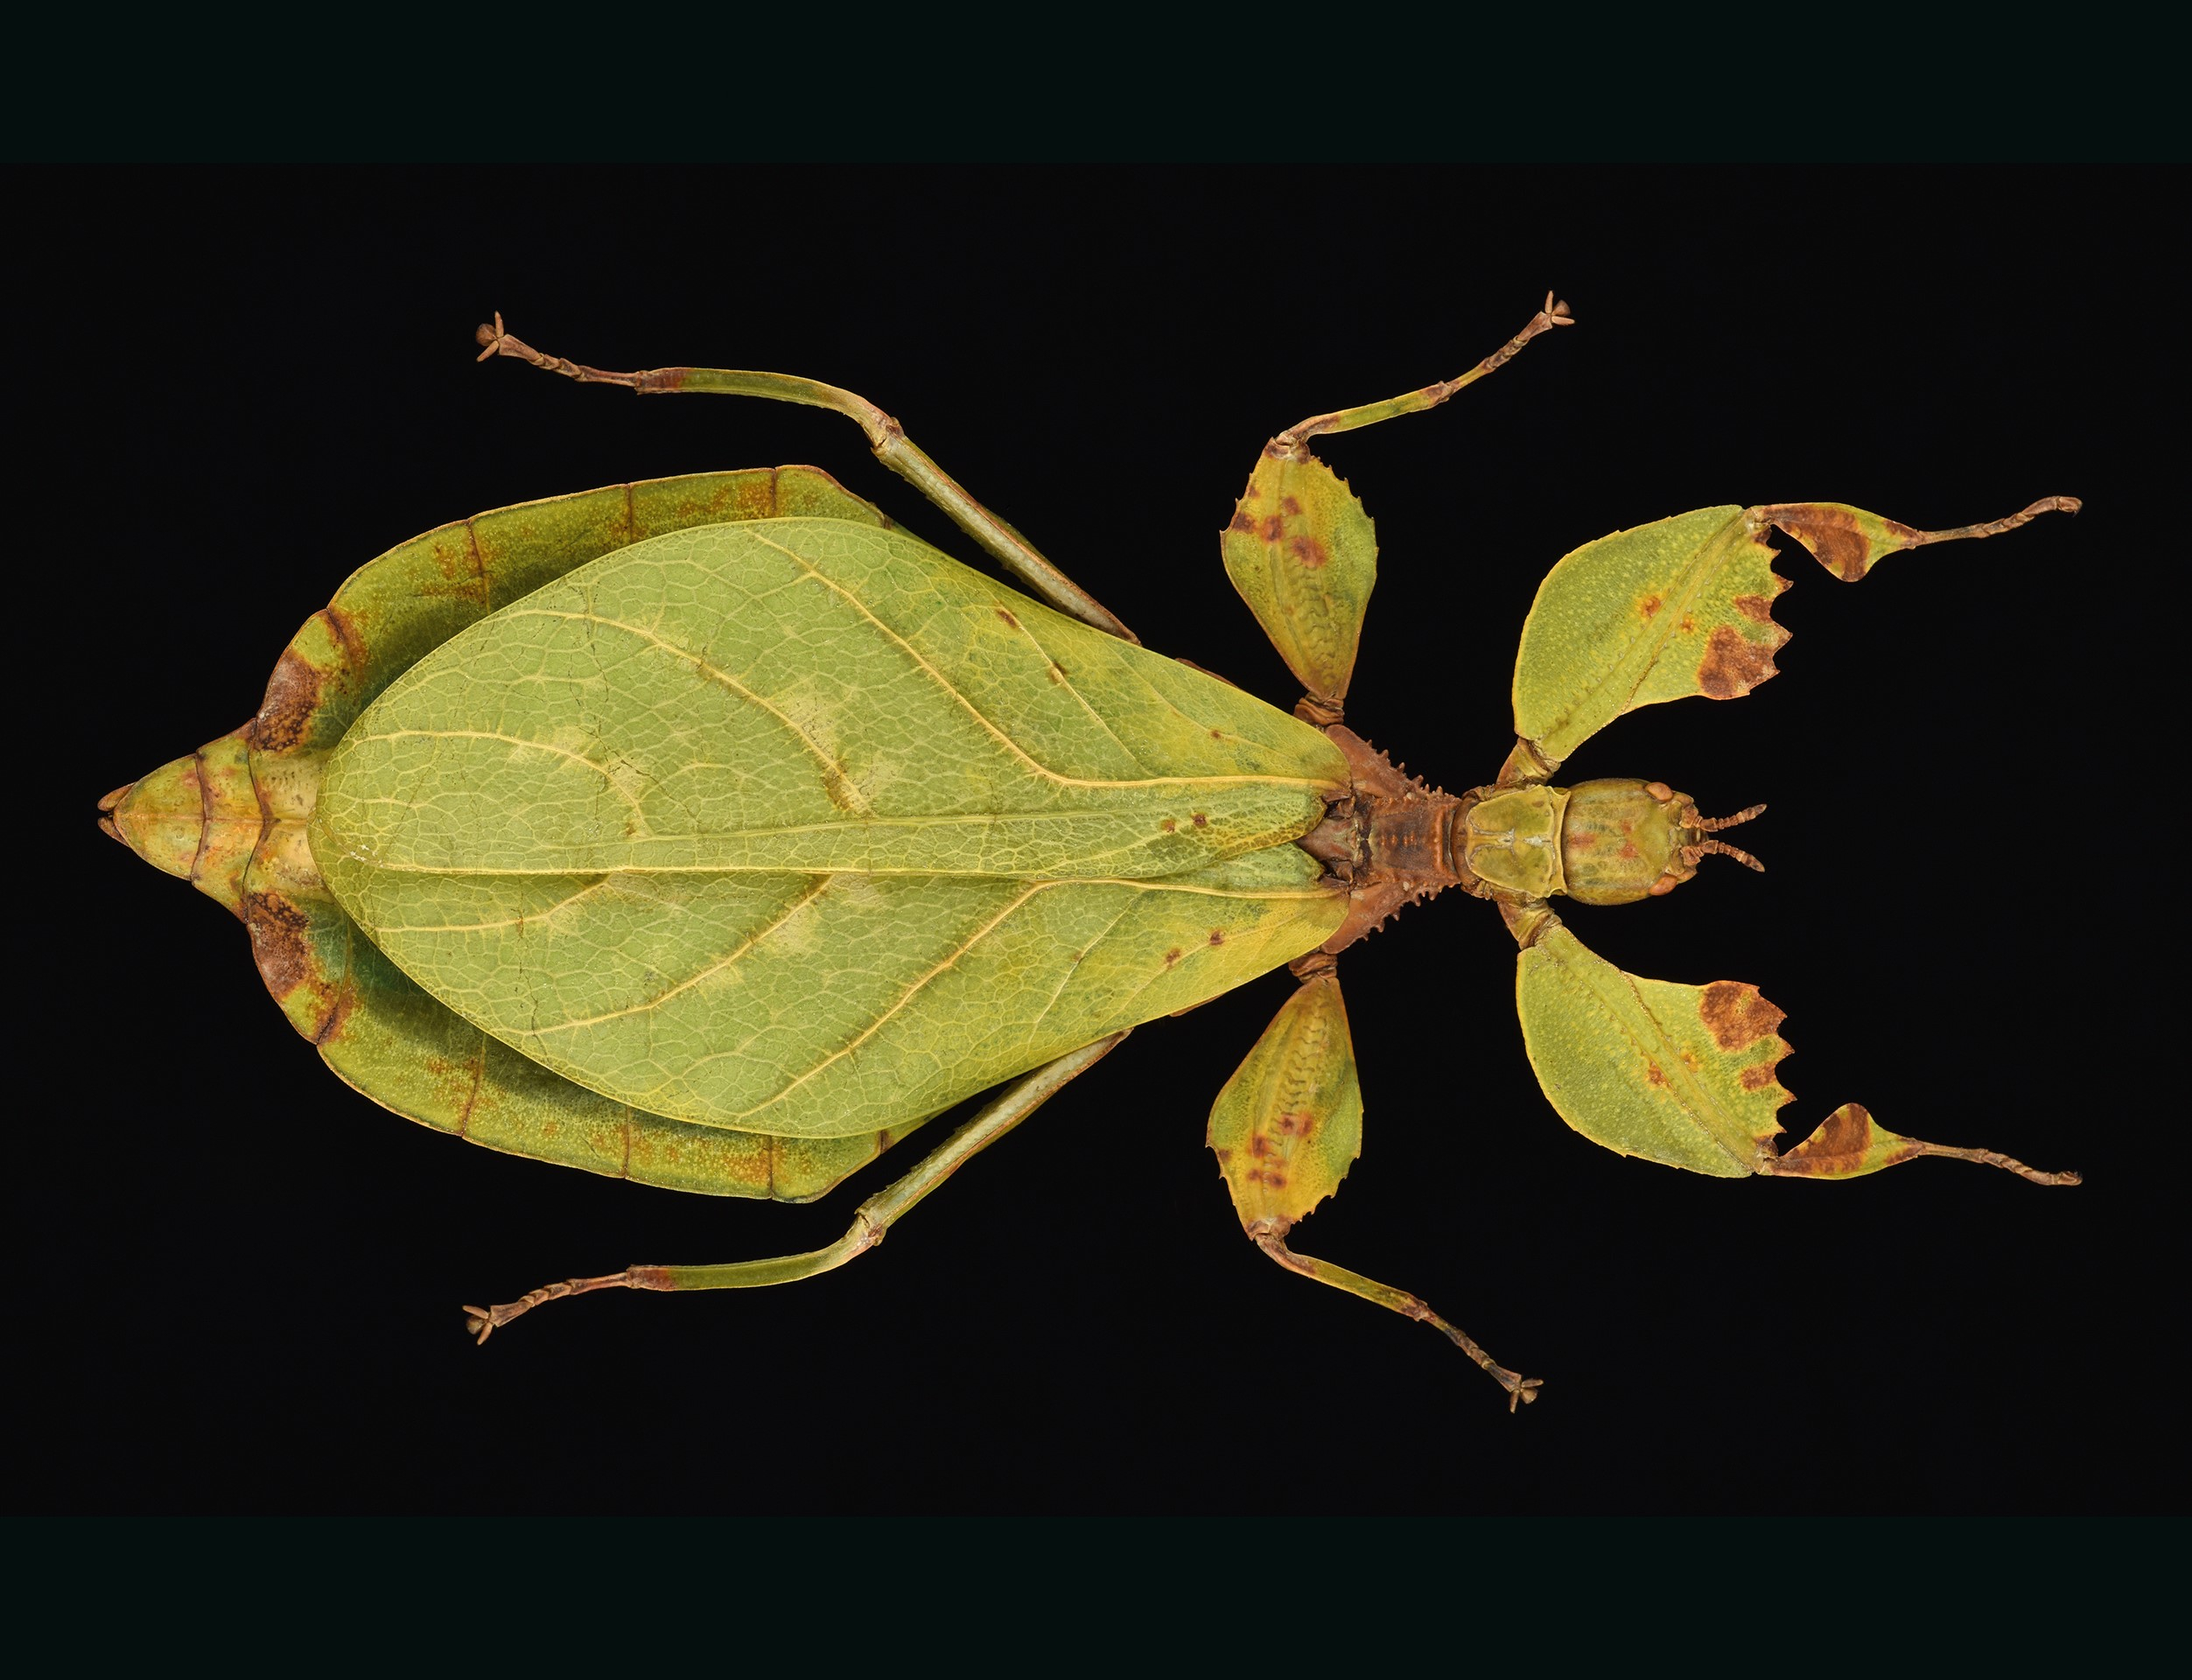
x=1286 y=1128
x=1302 y=551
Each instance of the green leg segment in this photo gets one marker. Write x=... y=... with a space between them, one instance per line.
x=1520 y=1389
x=1684 y=1075
x=875 y=1216
x=1286 y=1128
x=1430 y=396
x=1303 y=552
x=886 y=437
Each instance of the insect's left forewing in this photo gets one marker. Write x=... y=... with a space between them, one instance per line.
x=797 y=827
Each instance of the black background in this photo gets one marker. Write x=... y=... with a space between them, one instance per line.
x=237 y=1282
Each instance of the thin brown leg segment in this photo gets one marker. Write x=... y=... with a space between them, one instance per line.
x=1430 y=396
x=1520 y=1389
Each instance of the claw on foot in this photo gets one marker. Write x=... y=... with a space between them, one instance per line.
x=1521 y=1391
x=490 y=337
x=486 y=1321
x=1555 y=313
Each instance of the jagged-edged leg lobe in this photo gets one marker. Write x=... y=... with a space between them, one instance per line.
x=1684 y=1076
x=1850 y=1143
x=873 y=1218
x=1679 y=608
x=1302 y=551
x=1849 y=542
x=1286 y=1128
x=886 y=437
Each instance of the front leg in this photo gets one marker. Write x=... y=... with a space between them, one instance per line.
x=1303 y=553
x=1684 y=1075
x=1682 y=607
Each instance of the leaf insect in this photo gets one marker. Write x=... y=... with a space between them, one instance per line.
x=711 y=832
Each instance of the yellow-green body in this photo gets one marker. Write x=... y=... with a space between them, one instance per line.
x=711 y=832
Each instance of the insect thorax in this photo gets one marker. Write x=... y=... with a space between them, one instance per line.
x=1393 y=840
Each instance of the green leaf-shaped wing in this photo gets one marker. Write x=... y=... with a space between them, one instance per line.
x=801 y=827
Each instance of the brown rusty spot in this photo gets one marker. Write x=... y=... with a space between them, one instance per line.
x=1628 y=850
x=292 y=694
x=1243 y=520
x=1756 y=1078
x=1217 y=734
x=446 y=557
x=1649 y=607
x=1201 y=822
x=279 y=942
x=1008 y=617
x=331 y=1026
x=1733 y=663
x=1288 y=505
x=1309 y=551
x=1760 y=607
x=1272 y=529
x=1839 y=1142
x=1736 y=1014
x=1173 y=956
x=1582 y=840
x=1832 y=535
x=1297 y=1125
x=1217 y=935
x=1259 y=1144
x=1652 y=1073
x=345 y=635
x=1689 y=625
x=1168 y=825
x=1270 y=1175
